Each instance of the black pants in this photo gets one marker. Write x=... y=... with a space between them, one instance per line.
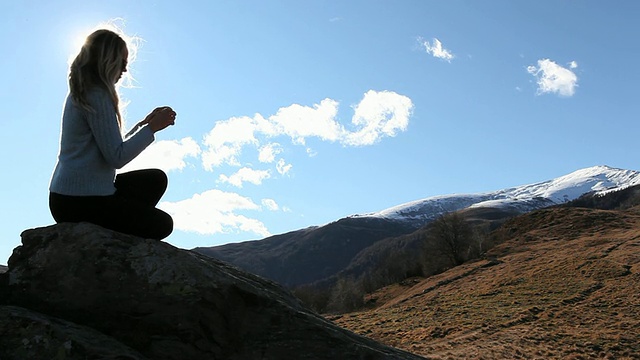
x=130 y=210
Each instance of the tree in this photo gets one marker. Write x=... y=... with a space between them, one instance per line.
x=347 y=295
x=314 y=297
x=452 y=236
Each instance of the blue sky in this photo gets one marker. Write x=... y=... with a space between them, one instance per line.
x=298 y=113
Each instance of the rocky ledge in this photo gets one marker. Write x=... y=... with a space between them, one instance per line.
x=79 y=291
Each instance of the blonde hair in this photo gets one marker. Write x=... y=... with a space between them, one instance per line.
x=98 y=63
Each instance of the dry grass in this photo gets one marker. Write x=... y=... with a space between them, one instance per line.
x=565 y=286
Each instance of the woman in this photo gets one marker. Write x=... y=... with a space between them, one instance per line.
x=84 y=185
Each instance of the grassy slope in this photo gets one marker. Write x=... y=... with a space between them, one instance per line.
x=565 y=285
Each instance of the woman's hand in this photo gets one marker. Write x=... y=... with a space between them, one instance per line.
x=160 y=118
x=145 y=121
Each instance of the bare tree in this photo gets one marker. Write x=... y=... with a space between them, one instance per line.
x=347 y=295
x=479 y=236
x=452 y=236
x=314 y=297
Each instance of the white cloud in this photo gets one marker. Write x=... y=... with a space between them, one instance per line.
x=573 y=65
x=267 y=153
x=436 y=49
x=300 y=122
x=283 y=167
x=270 y=204
x=167 y=155
x=225 y=141
x=553 y=78
x=379 y=114
x=311 y=152
x=246 y=175
x=213 y=212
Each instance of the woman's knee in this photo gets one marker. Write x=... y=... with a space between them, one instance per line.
x=160 y=178
x=153 y=176
x=164 y=225
x=159 y=174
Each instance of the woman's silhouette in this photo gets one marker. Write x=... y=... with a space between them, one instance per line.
x=84 y=185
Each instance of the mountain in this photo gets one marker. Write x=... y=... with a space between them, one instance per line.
x=79 y=291
x=522 y=199
x=308 y=255
x=317 y=254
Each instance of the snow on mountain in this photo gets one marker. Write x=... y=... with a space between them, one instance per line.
x=597 y=179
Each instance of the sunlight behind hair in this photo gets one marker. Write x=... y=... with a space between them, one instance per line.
x=116 y=25
x=133 y=43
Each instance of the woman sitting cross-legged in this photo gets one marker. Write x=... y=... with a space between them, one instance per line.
x=84 y=185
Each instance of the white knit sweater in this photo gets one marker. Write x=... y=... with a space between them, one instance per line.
x=92 y=147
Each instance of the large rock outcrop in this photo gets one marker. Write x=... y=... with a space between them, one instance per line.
x=81 y=291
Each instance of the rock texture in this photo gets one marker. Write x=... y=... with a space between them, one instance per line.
x=123 y=297
x=25 y=334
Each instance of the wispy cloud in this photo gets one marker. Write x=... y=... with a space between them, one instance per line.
x=270 y=204
x=167 y=155
x=300 y=122
x=553 y=78
x=246 y=175
x=267 y=153
x=436 y=49
x=379 y=114
x=282 y=167
x=214 y=211
x=225 y=141
x=234 y=141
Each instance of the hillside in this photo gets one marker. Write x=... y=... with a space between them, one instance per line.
x=308 y=255
x=564 y=284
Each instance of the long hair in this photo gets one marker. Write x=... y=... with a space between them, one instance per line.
x=98 y=63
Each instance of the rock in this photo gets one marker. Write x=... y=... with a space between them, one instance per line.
x=169 y=303
x=28 y=335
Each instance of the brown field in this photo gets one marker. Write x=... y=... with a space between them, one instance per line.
x=565 y=285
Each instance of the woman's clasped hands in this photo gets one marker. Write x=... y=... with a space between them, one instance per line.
x=159 y=118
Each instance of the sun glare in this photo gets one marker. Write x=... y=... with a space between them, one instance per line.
x=76 y=42
x=116 y=25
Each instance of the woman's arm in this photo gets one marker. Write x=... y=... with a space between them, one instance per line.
x=106 y=132
x=144 y=121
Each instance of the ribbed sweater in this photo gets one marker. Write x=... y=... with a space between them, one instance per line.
x=92 y=147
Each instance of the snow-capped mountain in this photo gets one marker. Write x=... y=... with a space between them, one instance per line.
x=352 y=244
x=597 y=179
